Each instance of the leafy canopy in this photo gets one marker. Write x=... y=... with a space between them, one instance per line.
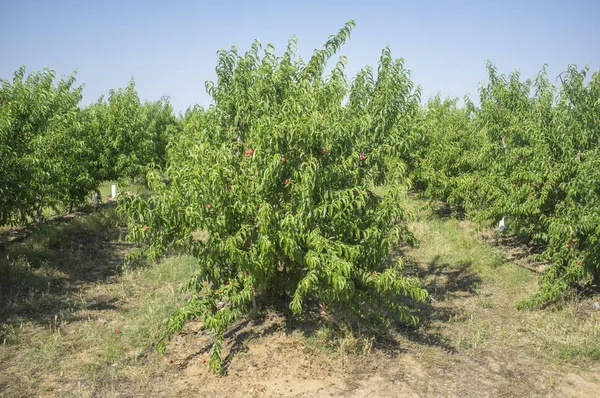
x=271 y=189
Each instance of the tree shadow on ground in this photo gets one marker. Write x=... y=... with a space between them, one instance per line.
x=42 y=272
x=240 y=338
x=444 y=211
x=443 y=281
x=237 y=338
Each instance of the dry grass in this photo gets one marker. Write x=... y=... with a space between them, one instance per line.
x=73 y=323
x=72 y=319
x=478 y=286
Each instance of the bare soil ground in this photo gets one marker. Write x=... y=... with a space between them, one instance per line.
x=90 y=331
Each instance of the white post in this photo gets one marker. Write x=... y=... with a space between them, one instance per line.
x=114 y=191
x=501 y=225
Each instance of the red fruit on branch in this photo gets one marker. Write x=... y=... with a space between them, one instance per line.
x=572 y=234
x=145 y=227
x=573 y=241
x=282 y=159
x=287 y=181
x=579 y=263
x=226 y=283
x=568 y=245
x=517 y=157
x=245 y=273
x=228 y=187
x=208 y=206
x=324 y=151
x=249 y=152
x=374 y=274
x=117 y=331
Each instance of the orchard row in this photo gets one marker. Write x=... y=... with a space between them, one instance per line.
x=528 y=154
x=272 y=187
x=54 y=153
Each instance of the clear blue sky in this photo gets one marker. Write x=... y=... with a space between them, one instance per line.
x=170 y=46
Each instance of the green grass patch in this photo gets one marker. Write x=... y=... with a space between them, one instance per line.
x=586 y=351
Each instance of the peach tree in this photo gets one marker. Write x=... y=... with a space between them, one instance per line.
x=529 y=153
x=271 y=188
x=133 y=133
x=542 y=175
x=47 y=151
